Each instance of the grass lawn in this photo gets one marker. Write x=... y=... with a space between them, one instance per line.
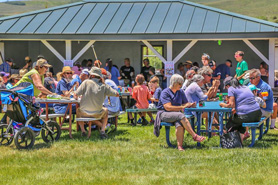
x=133 y=155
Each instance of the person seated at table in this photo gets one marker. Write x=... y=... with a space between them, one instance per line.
x=36 y=77
x=49 y=82
x=94 y=92
x=84 y=75
x=142 y=96
x=113 y=104
x=189 y=75
x=154 y=86
x=170 y=106
x=64 y=88
x=12 y=81
x=258 y=99
x=245 y=107
x=206 y=72
x=271 y=106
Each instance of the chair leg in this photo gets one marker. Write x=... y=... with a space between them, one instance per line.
x=261 y=132
x=253 y=132
x=167 y=130
x=90 y=129
x=267 y=126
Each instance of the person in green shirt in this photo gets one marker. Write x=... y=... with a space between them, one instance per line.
x=241 y=67
x=36 y=77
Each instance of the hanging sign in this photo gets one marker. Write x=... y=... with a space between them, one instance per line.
x=169 y=68
x=68 y=63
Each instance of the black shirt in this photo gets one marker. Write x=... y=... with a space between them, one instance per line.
x=126 y=71
x=145 y=72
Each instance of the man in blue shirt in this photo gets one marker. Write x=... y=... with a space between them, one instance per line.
x=224 y=71
x=255 y=79
x=84 y=75
x=6 y=66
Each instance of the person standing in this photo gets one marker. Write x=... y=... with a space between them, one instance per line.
x=28 y=63
x=127 y=72
x=113 y=70
x=187 y=65
x=241 y=67
x=205 y=59
x=181 y=71
x=145 y=69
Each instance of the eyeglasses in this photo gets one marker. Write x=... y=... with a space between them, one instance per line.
x=209 y=75
x=68 y=73
x=252 y=78
x=45 y=67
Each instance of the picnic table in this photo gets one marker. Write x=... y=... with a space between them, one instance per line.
x=61 y=101
x=211 y=107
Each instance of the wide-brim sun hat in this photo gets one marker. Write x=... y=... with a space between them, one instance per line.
x=96 y=71
x=66 y=69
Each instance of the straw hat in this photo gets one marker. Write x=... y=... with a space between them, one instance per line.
x=15 y=76
x=66 y=69
x=22 y=72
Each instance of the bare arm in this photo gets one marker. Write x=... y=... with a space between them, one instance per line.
x=216 y=78
x=213 y=90
x=38 y=84
x=231 y=103
x=169 y=107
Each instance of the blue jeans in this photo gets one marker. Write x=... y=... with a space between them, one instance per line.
x=62 y=109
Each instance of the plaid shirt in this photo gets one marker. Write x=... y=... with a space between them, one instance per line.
x=5 y=67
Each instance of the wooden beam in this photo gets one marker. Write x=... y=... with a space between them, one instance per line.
x=2 y=50
x=153 y=50
x=185 y=50
x=169 y=50
x=83 y=50
x=68 y=49
x=54 y=51
x=256 y=50
x=271 y=62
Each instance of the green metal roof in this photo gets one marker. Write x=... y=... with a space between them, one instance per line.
x=134 y=19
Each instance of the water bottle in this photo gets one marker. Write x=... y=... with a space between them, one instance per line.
x=220 y=97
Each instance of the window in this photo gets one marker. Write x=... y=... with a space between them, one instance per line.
x=154 y=60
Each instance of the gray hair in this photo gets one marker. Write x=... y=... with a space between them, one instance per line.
x=189 y=72
x=196 y=78
x=256 y=71
x=205 y=70
x=176 y=78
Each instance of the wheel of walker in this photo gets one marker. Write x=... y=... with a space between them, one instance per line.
x=51 y=132
x=24 y=138
x=6 y=134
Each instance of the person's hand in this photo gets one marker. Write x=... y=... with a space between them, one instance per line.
x=193 y=105
x=216 y=83
x=222 y=104
x=233 y=111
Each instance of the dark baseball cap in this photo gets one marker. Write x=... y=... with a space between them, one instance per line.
x=228 y=60
x=227 y=81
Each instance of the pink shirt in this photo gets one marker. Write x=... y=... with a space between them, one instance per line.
x=141 y=95
x=77 y=70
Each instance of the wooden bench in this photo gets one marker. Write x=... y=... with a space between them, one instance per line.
x=136 y=111
x=89 y=120
x=169 y=125
x=253 y=126
x=54 y=116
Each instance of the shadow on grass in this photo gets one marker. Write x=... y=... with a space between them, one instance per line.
x=95 y=136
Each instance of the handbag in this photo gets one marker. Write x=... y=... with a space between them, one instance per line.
x=231 y=140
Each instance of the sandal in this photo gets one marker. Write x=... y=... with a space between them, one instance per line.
x=198 y=138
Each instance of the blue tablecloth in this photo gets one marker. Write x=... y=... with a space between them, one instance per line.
x=211 y=108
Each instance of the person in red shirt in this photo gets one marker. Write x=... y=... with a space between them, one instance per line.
x=142 y=96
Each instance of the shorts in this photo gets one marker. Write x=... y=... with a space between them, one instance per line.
x=265 y=113
x=62 y=109
x=113 y=113
x=172 y=117
x=82 y=114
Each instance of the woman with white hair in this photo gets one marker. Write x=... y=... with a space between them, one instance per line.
x=170 y=106
x=194 y=92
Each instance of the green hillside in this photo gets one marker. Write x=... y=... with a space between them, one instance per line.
x=263 y=9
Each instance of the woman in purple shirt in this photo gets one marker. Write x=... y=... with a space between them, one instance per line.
x=245 y=107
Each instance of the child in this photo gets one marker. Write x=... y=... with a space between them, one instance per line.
x=258 y=99
x=154 y=85
x=141 y=95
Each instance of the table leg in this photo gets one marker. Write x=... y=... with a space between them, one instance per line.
x=209 y=124
x=135 y=118
x=70 y=120
x=128 y=105
x=46 y=111
x=199 y=118
x=77 y=128
x=221 y=123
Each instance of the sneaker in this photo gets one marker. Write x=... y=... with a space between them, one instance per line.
x=145 y=122
x=139 y=121
x=275 y=128
x=103 y=136
x=83 y=134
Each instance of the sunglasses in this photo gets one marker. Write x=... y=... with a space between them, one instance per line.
x=68 y=73
x=209 y=75
x=252 y=78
